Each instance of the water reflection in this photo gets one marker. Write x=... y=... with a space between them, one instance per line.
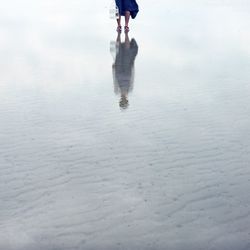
x=124 y=54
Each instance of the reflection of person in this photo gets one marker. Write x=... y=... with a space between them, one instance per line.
x=123 y=68
x=126 y=8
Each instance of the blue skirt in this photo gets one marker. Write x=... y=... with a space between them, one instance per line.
x=127 y=5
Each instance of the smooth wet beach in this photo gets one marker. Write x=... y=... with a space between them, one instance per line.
x=127 y=143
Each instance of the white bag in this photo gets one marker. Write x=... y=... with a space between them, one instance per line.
x=113 y=10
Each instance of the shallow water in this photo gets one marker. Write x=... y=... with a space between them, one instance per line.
x=165 y=166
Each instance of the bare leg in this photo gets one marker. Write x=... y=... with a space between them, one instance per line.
x=119 y=24
x=119 y=21
x=127 y=16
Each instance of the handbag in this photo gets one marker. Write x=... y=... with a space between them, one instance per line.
x=113 y=10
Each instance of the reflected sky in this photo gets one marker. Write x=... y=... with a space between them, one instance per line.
x=77 y=173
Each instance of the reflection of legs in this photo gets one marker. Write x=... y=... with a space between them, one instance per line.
x=118 y=39
x=127 y=41
x=124 y=92
x=127 y=16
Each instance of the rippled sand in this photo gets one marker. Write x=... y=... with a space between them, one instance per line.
x=166 y=167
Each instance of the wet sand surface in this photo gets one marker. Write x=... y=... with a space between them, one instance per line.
x=143 y=144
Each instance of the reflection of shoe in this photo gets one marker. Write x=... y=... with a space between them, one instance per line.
x=126 y=29
x=119 y=29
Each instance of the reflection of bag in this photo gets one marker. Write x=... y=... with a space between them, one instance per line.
x=113 y=10
x=114 y=49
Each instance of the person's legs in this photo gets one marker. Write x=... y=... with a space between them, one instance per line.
x=119 y=27
x=127 y=17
